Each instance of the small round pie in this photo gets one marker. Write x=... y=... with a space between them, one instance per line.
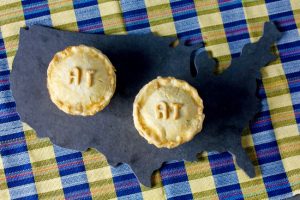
x=168 y=112
x=81 y=80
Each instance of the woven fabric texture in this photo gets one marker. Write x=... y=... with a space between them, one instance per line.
x=34 y=168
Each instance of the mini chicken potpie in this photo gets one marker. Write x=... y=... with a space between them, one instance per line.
x=168 y=112
x=81 y=80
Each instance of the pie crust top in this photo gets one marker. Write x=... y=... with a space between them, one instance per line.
x=81 y=80
x=168 y=112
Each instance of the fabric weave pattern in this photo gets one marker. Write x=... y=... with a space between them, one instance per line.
x=34 y=168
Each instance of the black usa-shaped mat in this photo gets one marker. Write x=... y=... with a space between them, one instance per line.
x=230 y=99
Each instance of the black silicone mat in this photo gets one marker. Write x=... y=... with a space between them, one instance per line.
x=229 y=99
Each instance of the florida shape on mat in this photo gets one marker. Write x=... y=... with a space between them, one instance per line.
x=229 y=98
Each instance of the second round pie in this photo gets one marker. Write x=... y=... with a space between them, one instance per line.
x=168 y=112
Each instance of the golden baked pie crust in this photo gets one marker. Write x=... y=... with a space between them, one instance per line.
x=156 y=132
x=87 y=57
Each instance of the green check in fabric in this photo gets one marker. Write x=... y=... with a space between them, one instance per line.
x=34 y=168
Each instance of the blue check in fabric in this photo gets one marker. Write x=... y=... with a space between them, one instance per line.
x=34 y=168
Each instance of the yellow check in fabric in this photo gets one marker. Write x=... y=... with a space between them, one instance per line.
x=34 y=168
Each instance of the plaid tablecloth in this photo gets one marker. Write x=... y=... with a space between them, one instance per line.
x=32 y=167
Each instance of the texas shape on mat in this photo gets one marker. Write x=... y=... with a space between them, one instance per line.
x=230 y=99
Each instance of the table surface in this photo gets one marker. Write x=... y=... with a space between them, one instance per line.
x=33 y=167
